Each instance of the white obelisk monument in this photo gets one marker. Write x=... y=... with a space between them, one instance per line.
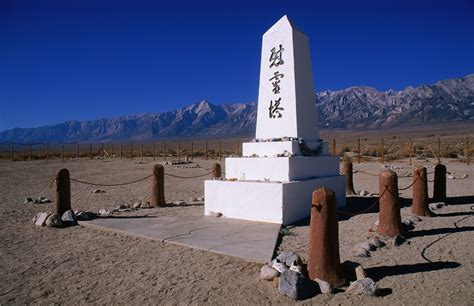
x=279 y=170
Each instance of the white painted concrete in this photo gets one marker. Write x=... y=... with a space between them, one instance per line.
x=299 y=117
x=272 y=149
x=283 y=193
x=283 y=169
x=283 y=203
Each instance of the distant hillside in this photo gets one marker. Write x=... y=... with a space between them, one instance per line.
x=355 y=107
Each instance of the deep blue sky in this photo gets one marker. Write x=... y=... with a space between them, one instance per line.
x=69 y=59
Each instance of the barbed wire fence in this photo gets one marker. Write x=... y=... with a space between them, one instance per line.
x=364 y=150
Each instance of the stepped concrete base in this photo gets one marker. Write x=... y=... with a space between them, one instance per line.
x=275 y=202
x=273 y=148
x=284 y=169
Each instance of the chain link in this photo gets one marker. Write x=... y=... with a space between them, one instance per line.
x=365 y=210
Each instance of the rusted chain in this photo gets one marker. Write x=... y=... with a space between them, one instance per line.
x=365 y=210
x=368 y=173
x=110 y=185
x=442 y=237
x=187 y=177
x=411 y=185
x=52 y=181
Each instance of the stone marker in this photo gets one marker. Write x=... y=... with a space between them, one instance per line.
x=62 y=199
x=216 y=170
x=268 y=273
x=324 y=286
x=347 y=171
x=278 y=171
x=389 y=216
x=69 y=218
x=288 y=257
x=364 y=286
x=40 y=218
x=292 y=284
x=376 y=242
x=439 y=186
x=398 y=240
x=360 y=273
x=158 y=186
x=54 y=220
x=420 y=193
x=323 y=257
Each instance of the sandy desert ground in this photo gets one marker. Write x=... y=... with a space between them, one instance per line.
x=83 y=265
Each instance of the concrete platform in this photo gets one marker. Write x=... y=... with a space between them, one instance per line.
x=275 y=202
x=253 y=241
x=284 y=169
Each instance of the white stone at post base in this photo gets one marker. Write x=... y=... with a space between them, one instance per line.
x=274 y=202
x=283 y=169
x=274 y=148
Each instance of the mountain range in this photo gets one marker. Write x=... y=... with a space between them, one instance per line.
x=357 y=107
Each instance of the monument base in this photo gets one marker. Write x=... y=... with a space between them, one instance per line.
x=274 y=202
x=275 y=148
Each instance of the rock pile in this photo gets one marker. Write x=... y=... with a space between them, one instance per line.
x=287 y=274
x=39 y=200
x=98 y=191
x=69 y=218
x=363 y=249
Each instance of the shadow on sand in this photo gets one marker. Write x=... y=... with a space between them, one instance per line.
x=460 y=200
x=378 y=273
x=440 y=231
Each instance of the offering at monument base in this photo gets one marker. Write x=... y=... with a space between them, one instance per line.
x=279 y=170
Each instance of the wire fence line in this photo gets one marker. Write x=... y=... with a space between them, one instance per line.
x=385 y=190
x=362 y=149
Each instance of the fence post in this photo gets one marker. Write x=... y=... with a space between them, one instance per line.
x=420 y=193
x=207 y=153
x=62 y=198
x=62 y=152
x=334 y=147
x=47 y=152
x=121 y=151
x=216 y=170
x=389 y=215
x=358 y=150
x=347 y=170
x=468 y=152
x=165 y=151
x=382 y=154
x=439 y=150
x=220 y=151
x=410 y=152
x=158 y=186
x=323 y=256
x=439 y=186
x=31 y=153
x=179 y=151
x=90 y=151
x=192 y=150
